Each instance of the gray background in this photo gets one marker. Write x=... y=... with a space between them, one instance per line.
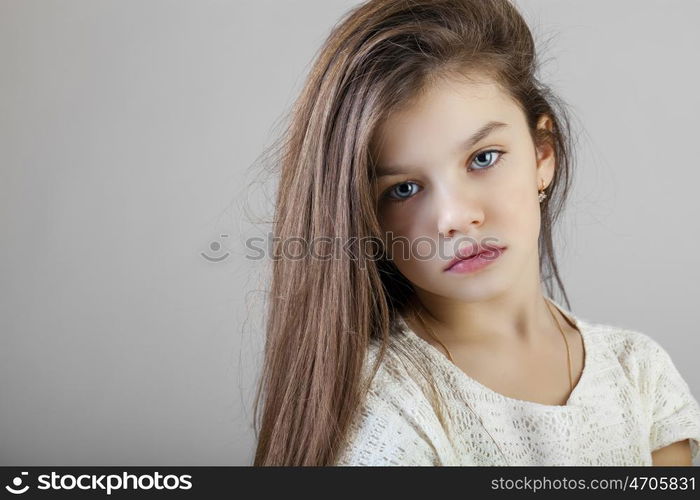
x=129 y=133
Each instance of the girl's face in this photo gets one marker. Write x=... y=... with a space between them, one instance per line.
x=443 y=192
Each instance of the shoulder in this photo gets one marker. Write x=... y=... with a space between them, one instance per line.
x=628 y=357
x=645 y=362
x=396 y=381
x=671 y=407
x=395 y=423
x=636 y=351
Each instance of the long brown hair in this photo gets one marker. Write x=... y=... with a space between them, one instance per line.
x=322 y=314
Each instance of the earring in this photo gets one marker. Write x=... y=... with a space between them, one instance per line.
x=542 y=195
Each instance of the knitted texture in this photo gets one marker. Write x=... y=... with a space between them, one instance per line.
x=629 y=401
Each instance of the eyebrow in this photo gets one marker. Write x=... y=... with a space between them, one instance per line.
x=480 y=134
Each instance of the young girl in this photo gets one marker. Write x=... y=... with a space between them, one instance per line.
x=423 y=171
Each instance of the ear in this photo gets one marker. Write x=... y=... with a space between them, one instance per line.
x=546 y=158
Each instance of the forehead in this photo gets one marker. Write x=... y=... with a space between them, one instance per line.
x=440 y=119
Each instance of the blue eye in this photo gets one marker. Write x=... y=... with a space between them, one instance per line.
x=400 y=192
x=398 y=187
x=489 y=153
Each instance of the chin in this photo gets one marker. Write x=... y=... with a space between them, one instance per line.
x=476 y=294
x=471 y=289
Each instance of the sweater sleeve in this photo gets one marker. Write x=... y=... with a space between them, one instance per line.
x=386 y=435
x=675 y=411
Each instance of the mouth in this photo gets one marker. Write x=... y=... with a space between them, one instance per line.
x=483 y=252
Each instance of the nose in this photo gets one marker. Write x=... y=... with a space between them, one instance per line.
x=458 y=212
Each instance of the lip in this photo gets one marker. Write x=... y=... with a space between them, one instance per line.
x=471 y=261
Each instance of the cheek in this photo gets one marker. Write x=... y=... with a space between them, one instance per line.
x=400 y=220
x=406 y=228
x=517 y=208
x=516 y=195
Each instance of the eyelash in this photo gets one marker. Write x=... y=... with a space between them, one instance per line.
x=501 y=154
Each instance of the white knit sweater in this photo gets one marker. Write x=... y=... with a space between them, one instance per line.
x=629 y=401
